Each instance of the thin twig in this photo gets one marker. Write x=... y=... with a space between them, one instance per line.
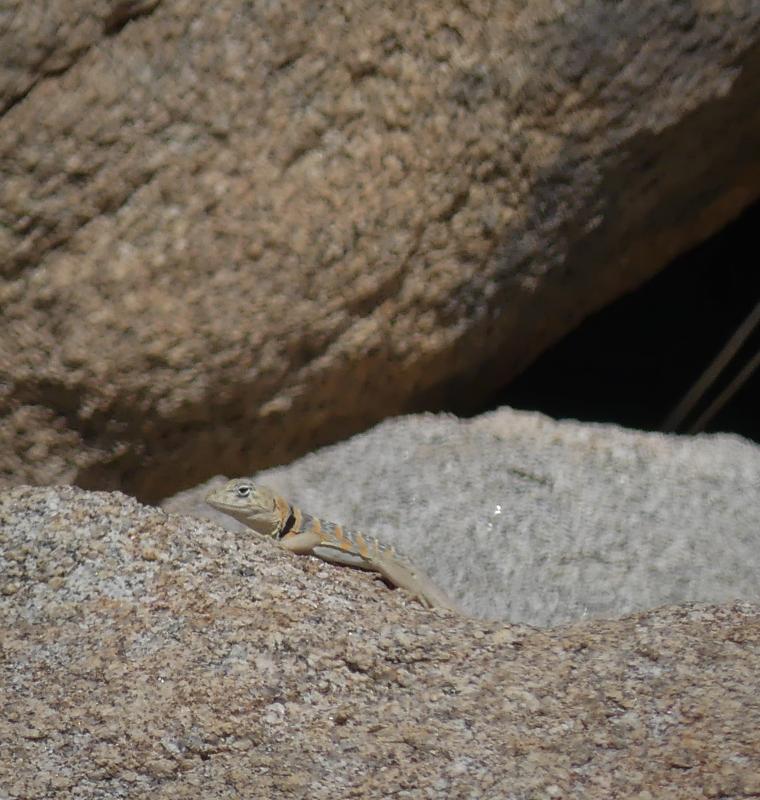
x=730 y=390
x=707 y=378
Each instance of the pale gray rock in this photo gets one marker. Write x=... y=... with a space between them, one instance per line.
x=526 y=519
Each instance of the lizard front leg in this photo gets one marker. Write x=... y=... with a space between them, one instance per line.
x=301 y=543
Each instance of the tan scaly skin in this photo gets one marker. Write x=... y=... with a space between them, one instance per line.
x=271 y=515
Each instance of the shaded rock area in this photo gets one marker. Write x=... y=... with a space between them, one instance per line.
x=39 y=40
x=523 y=518
x=147 y=655
x=231 y=232
x=632 y=362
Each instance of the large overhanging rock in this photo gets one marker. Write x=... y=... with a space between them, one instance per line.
x=232 y=231
x=147 y=655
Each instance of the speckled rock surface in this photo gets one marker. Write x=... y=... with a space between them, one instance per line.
x=523 y=518
x=155 y=656
x=232 y=231
x=42 y=40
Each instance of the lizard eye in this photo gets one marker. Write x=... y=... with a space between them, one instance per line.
x=243 y=491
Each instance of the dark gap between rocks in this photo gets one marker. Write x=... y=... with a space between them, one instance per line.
x=634 y=360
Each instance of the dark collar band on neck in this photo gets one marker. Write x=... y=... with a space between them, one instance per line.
x=289 y=523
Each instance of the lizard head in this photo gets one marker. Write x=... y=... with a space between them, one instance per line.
x=254 y=506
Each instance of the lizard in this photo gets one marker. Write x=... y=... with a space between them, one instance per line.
x=271 y=515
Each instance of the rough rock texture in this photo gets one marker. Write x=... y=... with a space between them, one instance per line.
x=231 y=231
x=38 y=40
x=523 y=518
x=147 y=655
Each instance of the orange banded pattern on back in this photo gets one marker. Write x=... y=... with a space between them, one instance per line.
x=361 y=546
x=330 y=533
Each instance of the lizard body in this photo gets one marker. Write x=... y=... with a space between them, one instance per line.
x=271 y=515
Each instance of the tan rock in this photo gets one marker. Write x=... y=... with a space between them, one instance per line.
x=230 y=232
x=227 y=666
